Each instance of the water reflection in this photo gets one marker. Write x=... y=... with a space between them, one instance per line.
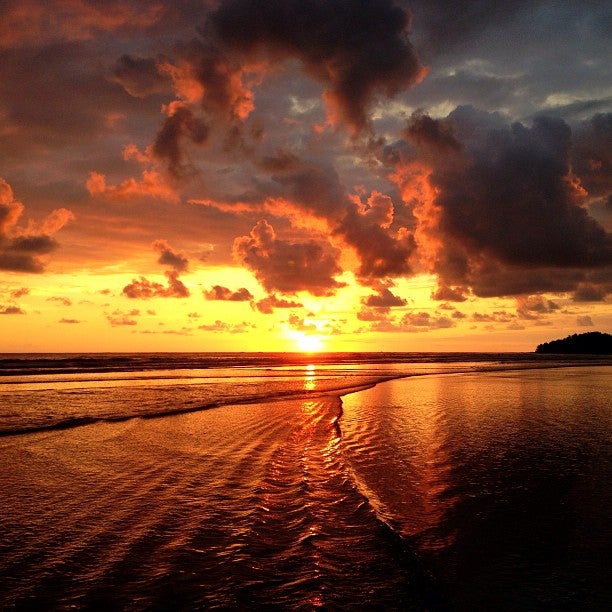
x=493 y=477
x=310 y=378
x=409 y=427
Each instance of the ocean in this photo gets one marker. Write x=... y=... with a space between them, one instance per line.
x=347 y=481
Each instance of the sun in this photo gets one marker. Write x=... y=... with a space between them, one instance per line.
x=308 y=343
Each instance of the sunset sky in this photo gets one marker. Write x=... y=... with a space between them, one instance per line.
x=280 y=175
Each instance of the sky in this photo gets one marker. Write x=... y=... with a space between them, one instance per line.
x=300 y=175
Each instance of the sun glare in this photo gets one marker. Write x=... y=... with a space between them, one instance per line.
x=308 y=343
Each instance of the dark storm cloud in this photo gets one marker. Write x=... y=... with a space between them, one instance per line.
x=357 y=48
x=20 y=262
x=365 y=226
x=592 y=155
x=534 y=307
x=207 y=70
x=444 y=25
x=490 y=279
x=381 y=253
x=22 y=249
x=314 y=185
x=429 y=133
x=180 y=125
x=589 y=292
x=288 y=267
x=372 y=225
x=141 y=76
x=38 y=245
x=518 y=57
x=507 y=204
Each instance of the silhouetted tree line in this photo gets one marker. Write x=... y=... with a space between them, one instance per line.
x=594 y=343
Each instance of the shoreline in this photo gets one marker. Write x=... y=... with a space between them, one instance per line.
x=298 y=395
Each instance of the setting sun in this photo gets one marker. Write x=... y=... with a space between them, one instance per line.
x=308 y=343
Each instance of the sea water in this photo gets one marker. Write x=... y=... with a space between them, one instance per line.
x=347 y=481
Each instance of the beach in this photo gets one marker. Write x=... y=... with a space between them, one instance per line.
x=472 y=490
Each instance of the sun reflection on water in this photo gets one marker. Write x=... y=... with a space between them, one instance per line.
x=310 y=378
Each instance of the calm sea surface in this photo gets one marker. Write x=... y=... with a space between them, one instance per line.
x=274 y=481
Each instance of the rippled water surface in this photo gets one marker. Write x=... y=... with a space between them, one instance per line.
x=498 y=480
x=453 y=489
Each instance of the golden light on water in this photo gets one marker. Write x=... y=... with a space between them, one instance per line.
x=310 y=380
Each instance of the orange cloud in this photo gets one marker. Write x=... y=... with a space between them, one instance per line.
x=222 y=327
x=119 y=319
x=219 y=293
x=143 y=288
x=151 y=185
x=22 y=249
x=146 y=289
x=269 y=303
x=17 y=293
x=288 y=267
x=534 y=306
x=10 y=210
x=169 y=257
x=450 y=294
x=11 y=310
x=423 y=320
x=64 y=301
x=32 y=21
x=384 y=299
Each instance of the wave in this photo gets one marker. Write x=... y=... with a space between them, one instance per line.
x=30 y=404
x=28 y=364
x=71 y=422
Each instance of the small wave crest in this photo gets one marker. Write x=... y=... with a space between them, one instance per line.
x=166 y=401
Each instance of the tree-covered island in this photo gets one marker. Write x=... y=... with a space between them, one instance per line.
x=592 y=343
